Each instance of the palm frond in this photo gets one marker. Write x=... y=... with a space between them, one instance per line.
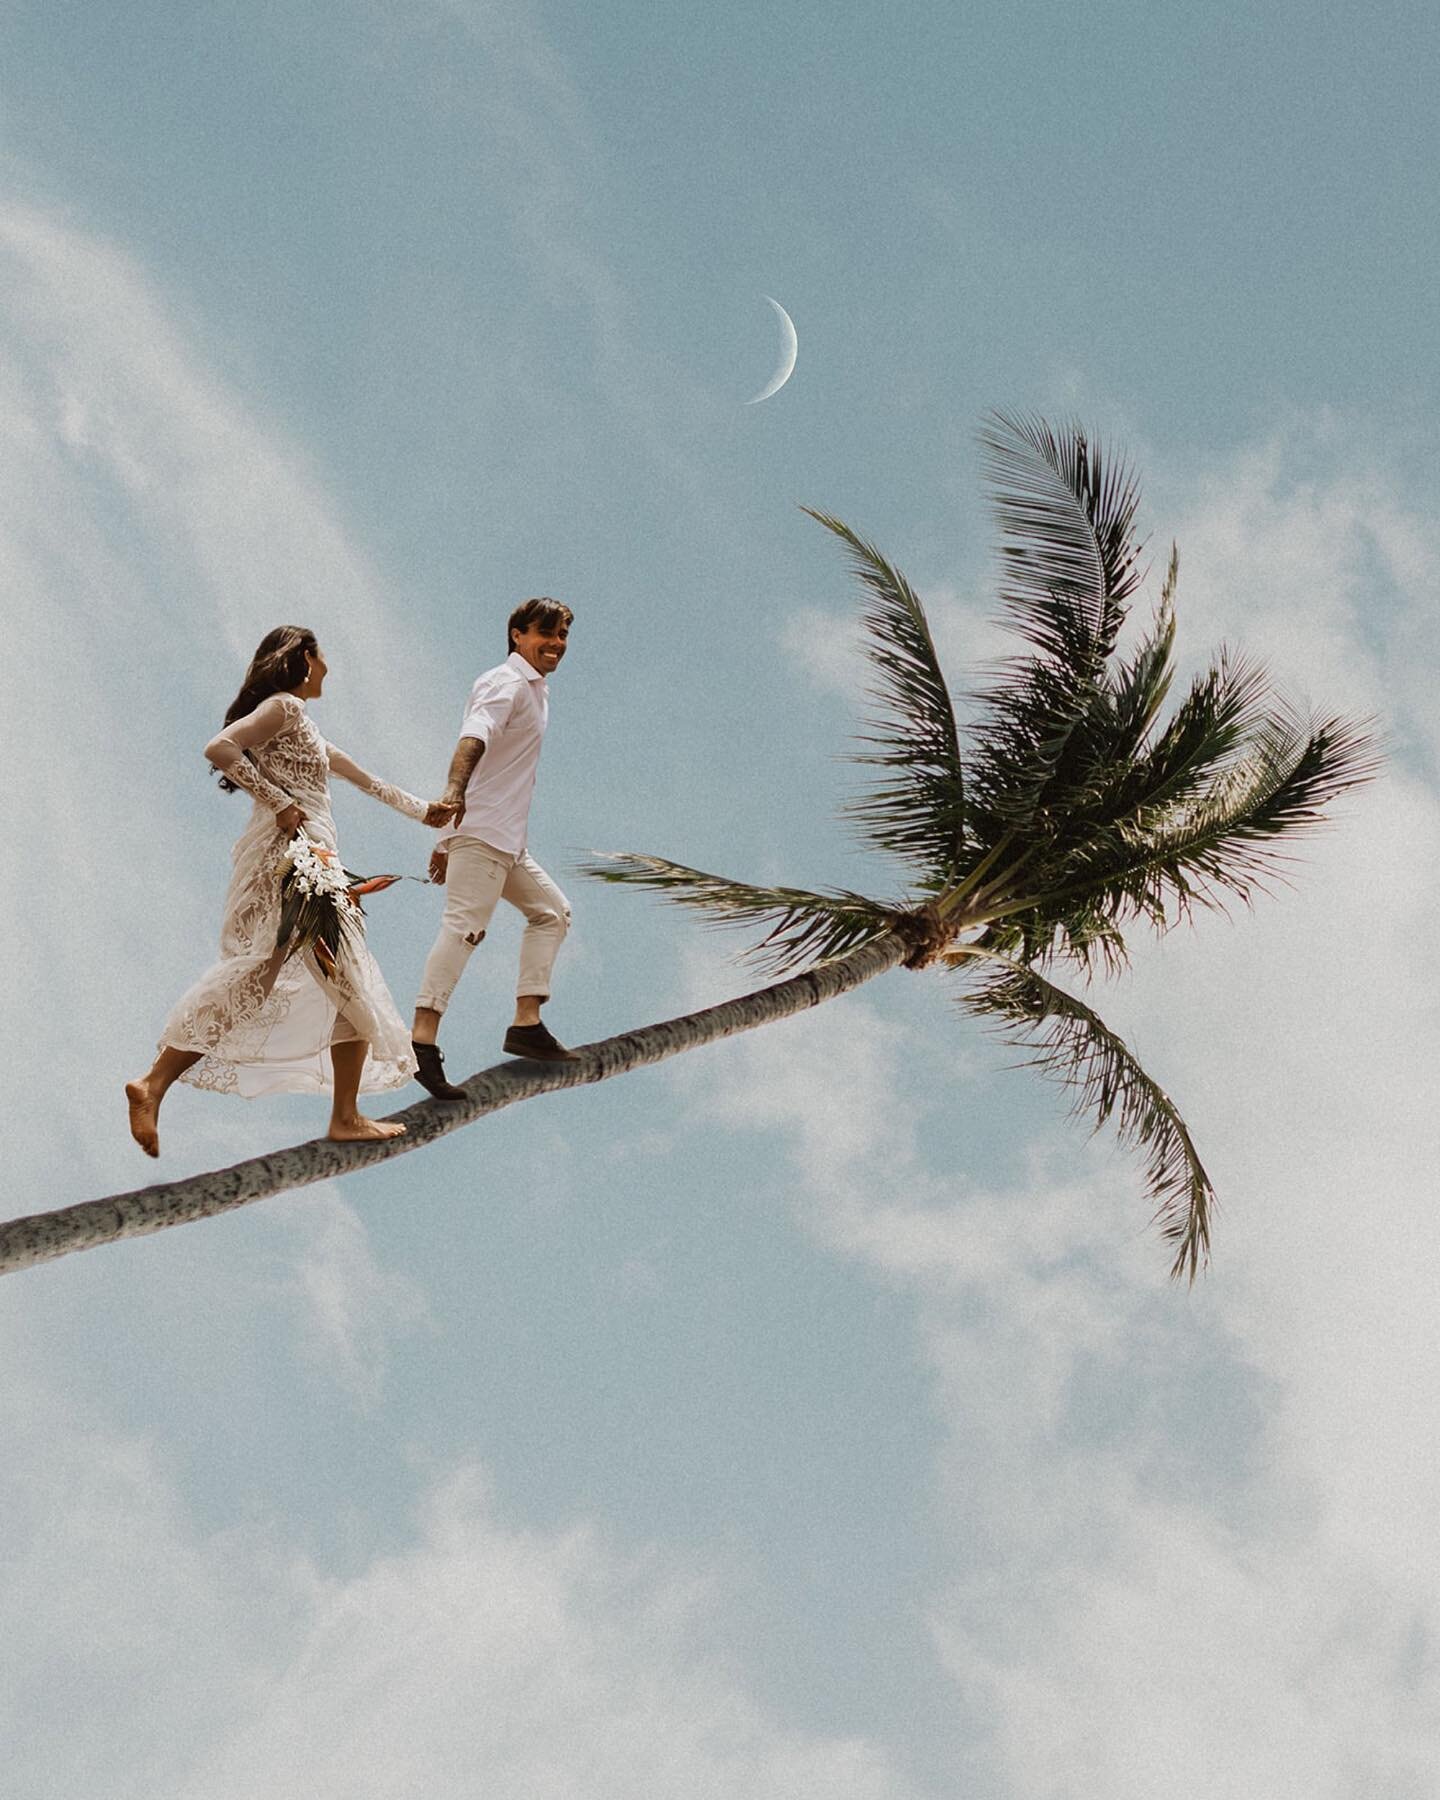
x=1069 y=763
x=1232 y=838
x=1139 y=688
x=1069 y=557
x=1197 y=746
x=805 y=927
x=1073 y=1045
x=1030 y=764
x=919 y=813
x=1059 y=733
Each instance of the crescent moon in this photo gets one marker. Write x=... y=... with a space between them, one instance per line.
x=789 y=350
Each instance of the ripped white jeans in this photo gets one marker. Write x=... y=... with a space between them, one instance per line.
x=477 y=877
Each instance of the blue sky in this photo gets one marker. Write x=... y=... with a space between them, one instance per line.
x=811 y=1416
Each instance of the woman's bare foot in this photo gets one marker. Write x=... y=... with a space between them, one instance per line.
x=361 y=1130
x=144 y=1117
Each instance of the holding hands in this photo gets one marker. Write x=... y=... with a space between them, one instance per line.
x=448 y=811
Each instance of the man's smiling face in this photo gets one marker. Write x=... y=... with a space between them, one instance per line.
x=542 y=646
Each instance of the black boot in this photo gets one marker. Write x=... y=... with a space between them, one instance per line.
x=431 y=1073
x=535 y=1044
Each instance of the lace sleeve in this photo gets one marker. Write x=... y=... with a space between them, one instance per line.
x=227 y=750
x=348 y=770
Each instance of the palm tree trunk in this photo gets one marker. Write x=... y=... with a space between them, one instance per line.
x=43 y=1236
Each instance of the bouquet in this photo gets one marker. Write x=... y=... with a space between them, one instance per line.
x=320 y=901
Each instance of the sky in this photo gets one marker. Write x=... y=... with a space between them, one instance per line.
x=812 y=1415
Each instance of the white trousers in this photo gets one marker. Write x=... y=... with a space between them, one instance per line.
x=476 y=879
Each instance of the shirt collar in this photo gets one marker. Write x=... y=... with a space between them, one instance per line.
x=518 y=662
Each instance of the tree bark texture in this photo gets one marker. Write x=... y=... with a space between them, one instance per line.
x=41 y=1237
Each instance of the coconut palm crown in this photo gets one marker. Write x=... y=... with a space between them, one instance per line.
x=1076 y=805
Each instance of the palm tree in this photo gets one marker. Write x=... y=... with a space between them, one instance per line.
x=1074 y=810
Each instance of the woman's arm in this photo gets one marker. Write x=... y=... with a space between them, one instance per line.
x=227 y=752
x=428 y=812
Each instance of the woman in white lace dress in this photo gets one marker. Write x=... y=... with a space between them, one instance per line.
x=258 y=1022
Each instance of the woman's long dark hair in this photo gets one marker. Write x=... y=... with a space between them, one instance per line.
x=277 y=666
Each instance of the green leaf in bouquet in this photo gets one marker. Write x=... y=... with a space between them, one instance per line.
x=291 y=905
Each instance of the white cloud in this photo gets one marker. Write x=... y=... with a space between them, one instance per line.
x=1194 y=1664
x=143 y=490
x=350 y=1308
x=510 y=1663
x=127 y=1636
x=1188 y=1531
x=147 y=1657
x=1307 y=553
x=827 y=645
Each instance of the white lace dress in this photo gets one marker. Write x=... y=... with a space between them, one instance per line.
x=265 y=1023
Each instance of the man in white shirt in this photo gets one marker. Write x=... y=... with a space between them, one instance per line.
x=482 y=858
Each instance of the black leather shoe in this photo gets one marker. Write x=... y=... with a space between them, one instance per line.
x=431 y=1073
x=535 y=1044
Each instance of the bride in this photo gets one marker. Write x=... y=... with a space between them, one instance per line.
x=259 y=1022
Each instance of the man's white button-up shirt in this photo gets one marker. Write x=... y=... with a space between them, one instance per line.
x=508 y=711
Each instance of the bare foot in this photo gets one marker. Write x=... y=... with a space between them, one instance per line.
x=361 y=1130
x=144 y=1117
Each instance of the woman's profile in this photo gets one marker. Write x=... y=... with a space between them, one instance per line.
x=263 y=1020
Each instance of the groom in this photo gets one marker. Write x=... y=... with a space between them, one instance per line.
x=482 y=857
